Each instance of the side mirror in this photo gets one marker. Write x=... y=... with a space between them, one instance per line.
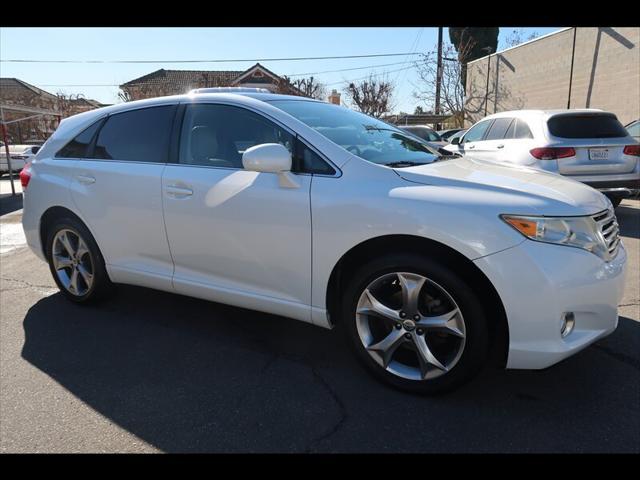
x=270 y=158
x=455 y=141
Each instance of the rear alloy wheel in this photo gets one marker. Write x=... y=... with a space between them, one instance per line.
x=75 y=262
x=415 y=324
x=72 y=262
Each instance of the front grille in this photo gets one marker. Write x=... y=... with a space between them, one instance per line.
x=608 y=227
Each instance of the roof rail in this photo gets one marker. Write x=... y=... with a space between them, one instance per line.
x=229 y=90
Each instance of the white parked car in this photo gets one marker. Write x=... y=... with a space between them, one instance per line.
x=588 y=145
x=20 y=156
x=430 y=266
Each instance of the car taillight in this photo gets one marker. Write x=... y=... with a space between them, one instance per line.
x=25 y=176
x=552 y=153
x=632 y=150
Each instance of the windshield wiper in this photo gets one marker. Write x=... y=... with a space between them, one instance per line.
x=403 y=163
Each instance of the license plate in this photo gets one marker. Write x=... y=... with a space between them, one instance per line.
x=599 y=154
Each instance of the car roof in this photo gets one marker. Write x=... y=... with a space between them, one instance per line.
x=542 y=113
x=170 y=99
x=69 y=123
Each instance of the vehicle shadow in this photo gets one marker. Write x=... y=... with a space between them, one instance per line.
x=186 y=375
x=629 y=221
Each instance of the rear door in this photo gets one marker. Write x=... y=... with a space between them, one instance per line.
x=117 y=189
x=598 y=139
x=493 y=143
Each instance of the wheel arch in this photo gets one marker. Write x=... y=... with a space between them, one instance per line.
x=49 y=216
x=369 y=249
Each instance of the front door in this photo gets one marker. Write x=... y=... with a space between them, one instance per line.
x=236 y=236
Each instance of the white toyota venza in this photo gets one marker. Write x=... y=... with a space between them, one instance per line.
x=432 y=266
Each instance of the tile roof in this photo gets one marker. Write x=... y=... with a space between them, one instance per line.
x=9 y=83
x=186 y=78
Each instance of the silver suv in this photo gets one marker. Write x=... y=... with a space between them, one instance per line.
x=590 y=146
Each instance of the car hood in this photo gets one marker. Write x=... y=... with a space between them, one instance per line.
x=525 y=190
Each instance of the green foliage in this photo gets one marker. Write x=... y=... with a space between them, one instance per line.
x=472 y=43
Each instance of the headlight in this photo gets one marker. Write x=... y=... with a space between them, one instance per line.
x=580 y=232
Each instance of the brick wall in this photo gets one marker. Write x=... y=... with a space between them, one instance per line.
x=535 y=75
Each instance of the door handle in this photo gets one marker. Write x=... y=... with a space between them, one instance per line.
x=500 y=146
x=176 y=191
x=86 y=179
x=471 y=147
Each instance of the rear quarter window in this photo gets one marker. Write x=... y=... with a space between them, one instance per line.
x=586 y=126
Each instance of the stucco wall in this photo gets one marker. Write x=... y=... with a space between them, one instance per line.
x=606 y=74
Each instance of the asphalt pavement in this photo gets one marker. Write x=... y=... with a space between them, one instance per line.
x=149 y=371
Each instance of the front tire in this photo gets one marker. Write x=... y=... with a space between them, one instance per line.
x=75 y=262
x=414 y=323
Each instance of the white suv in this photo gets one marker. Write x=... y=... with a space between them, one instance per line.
x=589 y=145
x=429 y=265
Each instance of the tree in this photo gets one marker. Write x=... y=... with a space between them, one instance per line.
x=371 y=96
x=517 y=36
x=472 y=43
x=451 y=88
x=418 y=111
x=65 y=103
x=310 y=87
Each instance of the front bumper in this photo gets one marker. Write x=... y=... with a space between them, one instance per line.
x=538 y=283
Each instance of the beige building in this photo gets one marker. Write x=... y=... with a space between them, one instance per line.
x=583 y=67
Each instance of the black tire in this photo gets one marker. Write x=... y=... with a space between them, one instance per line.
x=101 y=286
x=474 y=353
x=615 y=200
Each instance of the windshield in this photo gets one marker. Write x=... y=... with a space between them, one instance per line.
x=364 y=136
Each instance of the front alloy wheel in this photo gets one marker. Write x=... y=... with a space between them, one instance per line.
x=415 y=323
x=410 y=325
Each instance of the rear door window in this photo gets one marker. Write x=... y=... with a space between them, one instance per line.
x=138 y=135
x=498 y=129
x=586 y=125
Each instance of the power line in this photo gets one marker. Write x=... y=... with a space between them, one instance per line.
x=368 y=76
x=288 y=75
x=345 y=69
x=290 y=59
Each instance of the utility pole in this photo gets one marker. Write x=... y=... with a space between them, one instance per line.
x=486 y=93
x=5 y=140
x=438 y=75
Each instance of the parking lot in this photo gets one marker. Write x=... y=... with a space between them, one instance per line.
x=150 y=371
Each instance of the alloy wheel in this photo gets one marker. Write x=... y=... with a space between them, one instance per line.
x=72 y=262
x=410 y=325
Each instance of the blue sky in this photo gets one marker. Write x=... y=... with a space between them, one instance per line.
x=167 y=44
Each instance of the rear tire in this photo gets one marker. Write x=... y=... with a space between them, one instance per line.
x=456 y=349
x=75 y=262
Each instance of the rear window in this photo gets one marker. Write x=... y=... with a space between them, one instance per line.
x=77 y=148
x=603 y=125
